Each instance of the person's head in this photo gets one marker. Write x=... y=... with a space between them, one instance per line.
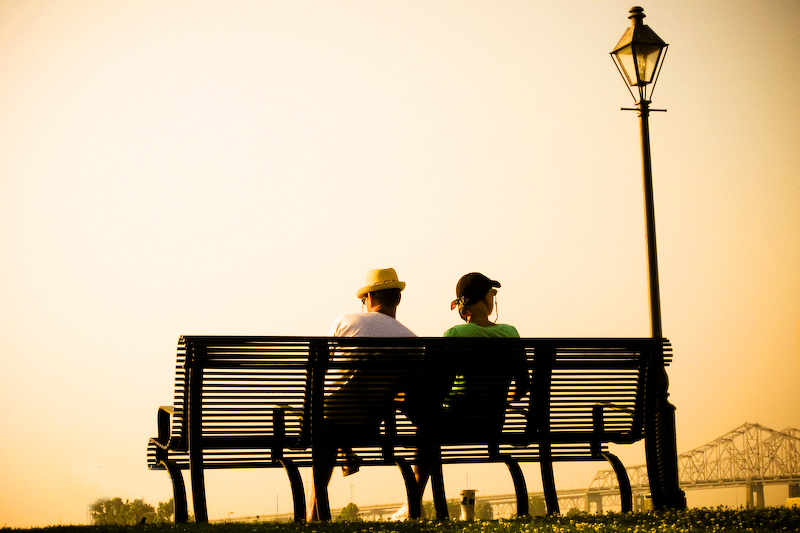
x=381 y=291
x=475 y=294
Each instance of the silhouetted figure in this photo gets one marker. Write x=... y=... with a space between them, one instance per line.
x=478 y=396
x=359 y=389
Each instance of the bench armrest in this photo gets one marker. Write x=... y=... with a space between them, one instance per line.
x=598 y=424
x=165 y=439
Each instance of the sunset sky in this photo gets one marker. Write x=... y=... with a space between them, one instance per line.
x=200 y=167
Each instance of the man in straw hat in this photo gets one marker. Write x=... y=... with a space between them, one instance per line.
x=353 y=402
x=381 y=296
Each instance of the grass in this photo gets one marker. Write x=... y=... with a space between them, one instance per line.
x=719 y=520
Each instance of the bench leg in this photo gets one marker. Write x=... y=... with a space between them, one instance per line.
x=520 y=488
x=662 y=459
x=549 y=485
x=298 y=494
x=412 y=488
x=624 y=482
x=437 y=486
x=198 y=487
x=178 y=490
x=660 y=444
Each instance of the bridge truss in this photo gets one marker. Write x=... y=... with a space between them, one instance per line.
x=750 y=456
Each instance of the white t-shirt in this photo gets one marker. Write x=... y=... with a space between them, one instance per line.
x=359 y=325
x=368 y=325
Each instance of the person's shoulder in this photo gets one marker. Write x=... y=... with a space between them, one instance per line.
x=341 y=318
x=344 y=322
x=394 y=327
x=369 y=325
x=459 y=330
x=346 y=318
x=473 y=330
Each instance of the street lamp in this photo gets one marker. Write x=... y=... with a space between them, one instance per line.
x=638 y=56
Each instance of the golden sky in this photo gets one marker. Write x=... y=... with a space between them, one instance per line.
x=204 y=167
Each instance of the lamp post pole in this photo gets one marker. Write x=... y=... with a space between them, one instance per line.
x=638 y=57
x=643 y=107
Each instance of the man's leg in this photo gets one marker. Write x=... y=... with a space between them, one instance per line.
x=325 y=472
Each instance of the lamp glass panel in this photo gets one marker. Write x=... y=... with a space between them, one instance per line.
x=625 y=59
x=646 y=60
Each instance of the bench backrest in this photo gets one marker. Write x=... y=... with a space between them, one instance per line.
x=246 y=400
x=242 y=398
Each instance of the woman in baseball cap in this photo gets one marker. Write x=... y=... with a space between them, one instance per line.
x=480 y=383
x=476 y=300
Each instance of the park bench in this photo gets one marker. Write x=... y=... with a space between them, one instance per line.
x=259 y=402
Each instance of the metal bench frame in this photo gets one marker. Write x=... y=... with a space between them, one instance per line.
x=257 y=402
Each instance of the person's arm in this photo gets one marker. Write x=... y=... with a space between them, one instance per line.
x=522 y=382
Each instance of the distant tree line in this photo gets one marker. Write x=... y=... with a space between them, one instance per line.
x=114 y=511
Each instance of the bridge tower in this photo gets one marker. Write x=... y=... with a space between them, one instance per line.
x=594 y=499
x=755 y=494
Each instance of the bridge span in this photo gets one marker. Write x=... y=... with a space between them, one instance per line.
x=750 y=456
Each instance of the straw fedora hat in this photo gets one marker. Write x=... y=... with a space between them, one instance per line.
x=380 y=279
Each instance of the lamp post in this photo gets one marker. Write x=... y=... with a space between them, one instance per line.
x=638 y=56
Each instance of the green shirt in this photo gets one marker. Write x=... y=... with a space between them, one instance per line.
x=474 y=330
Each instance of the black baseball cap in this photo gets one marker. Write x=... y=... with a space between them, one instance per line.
x=474 y=286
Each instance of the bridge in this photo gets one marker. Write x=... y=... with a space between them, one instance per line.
x=749 y=456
